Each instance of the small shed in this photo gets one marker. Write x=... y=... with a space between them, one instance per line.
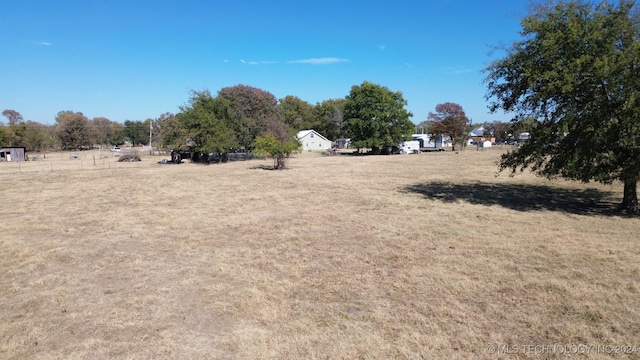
x=13 y=154
x=313 y=140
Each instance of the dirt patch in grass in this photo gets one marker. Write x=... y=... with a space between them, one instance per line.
x=418 y=256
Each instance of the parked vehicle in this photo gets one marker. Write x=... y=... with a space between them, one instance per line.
x=410 y=147
x=115 y=149
x=390 y=150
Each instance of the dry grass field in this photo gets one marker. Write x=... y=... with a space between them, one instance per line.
x=428 y=256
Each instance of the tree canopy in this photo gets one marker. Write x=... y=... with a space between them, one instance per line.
x=73 y=130
x=206 y=121
x=255 y=113
x=278 y=149
x=372 y=115
x=376 y=116
x=12 y=116
x=296 y=113
x=329 y=119
x=449 y=120
x=577 y=72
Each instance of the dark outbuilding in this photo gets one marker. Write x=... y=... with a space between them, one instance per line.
x=13 y=154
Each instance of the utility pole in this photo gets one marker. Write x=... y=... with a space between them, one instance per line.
x=150 y=129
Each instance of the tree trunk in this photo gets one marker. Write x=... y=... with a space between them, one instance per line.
x=280 y=162
x=630 y=198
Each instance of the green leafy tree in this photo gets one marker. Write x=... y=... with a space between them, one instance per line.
x=37 y=136
x=423 y=126
x=206 y=121
x=449 y=120
x=173 y=132
x=575 y=72
x=329 y=119
x=102 y=129
x=161 y=127
x=18 y=134
x=116 y=136
x=278 y=149
x=376 y=117
x=4 y=138
x=16 y=130
x=297 y=114
x=137 y=131
x=73 y=130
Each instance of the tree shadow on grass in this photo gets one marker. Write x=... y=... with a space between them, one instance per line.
x=263 y=167
x=522 y=197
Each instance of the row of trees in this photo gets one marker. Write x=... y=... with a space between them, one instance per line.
x=247 y=118
x=371 y=115
x=71 y=131
x=243 y=117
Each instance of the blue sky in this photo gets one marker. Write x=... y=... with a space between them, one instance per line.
x=133 y=60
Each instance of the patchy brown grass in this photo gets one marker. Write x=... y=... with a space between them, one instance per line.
x=340 y=257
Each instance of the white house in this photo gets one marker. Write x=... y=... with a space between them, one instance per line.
x=313 y=140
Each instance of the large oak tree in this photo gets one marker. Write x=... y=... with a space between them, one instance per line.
x=376 y=116
x=576 y=70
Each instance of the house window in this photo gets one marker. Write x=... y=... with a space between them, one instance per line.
x=312 y=135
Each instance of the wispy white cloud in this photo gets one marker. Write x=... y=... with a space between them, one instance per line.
x=319 y=61
x=382 y=47
x=44 y=43
x=312 y=61
x=257 y=62
x=461 y=71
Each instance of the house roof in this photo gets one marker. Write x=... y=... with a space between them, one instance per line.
x=477 y=131
x=301 y=134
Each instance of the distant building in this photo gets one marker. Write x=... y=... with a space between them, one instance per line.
x=430 y=141
x=13 y=154
x=343 y=143
x=313 y=140
x=476 y=136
